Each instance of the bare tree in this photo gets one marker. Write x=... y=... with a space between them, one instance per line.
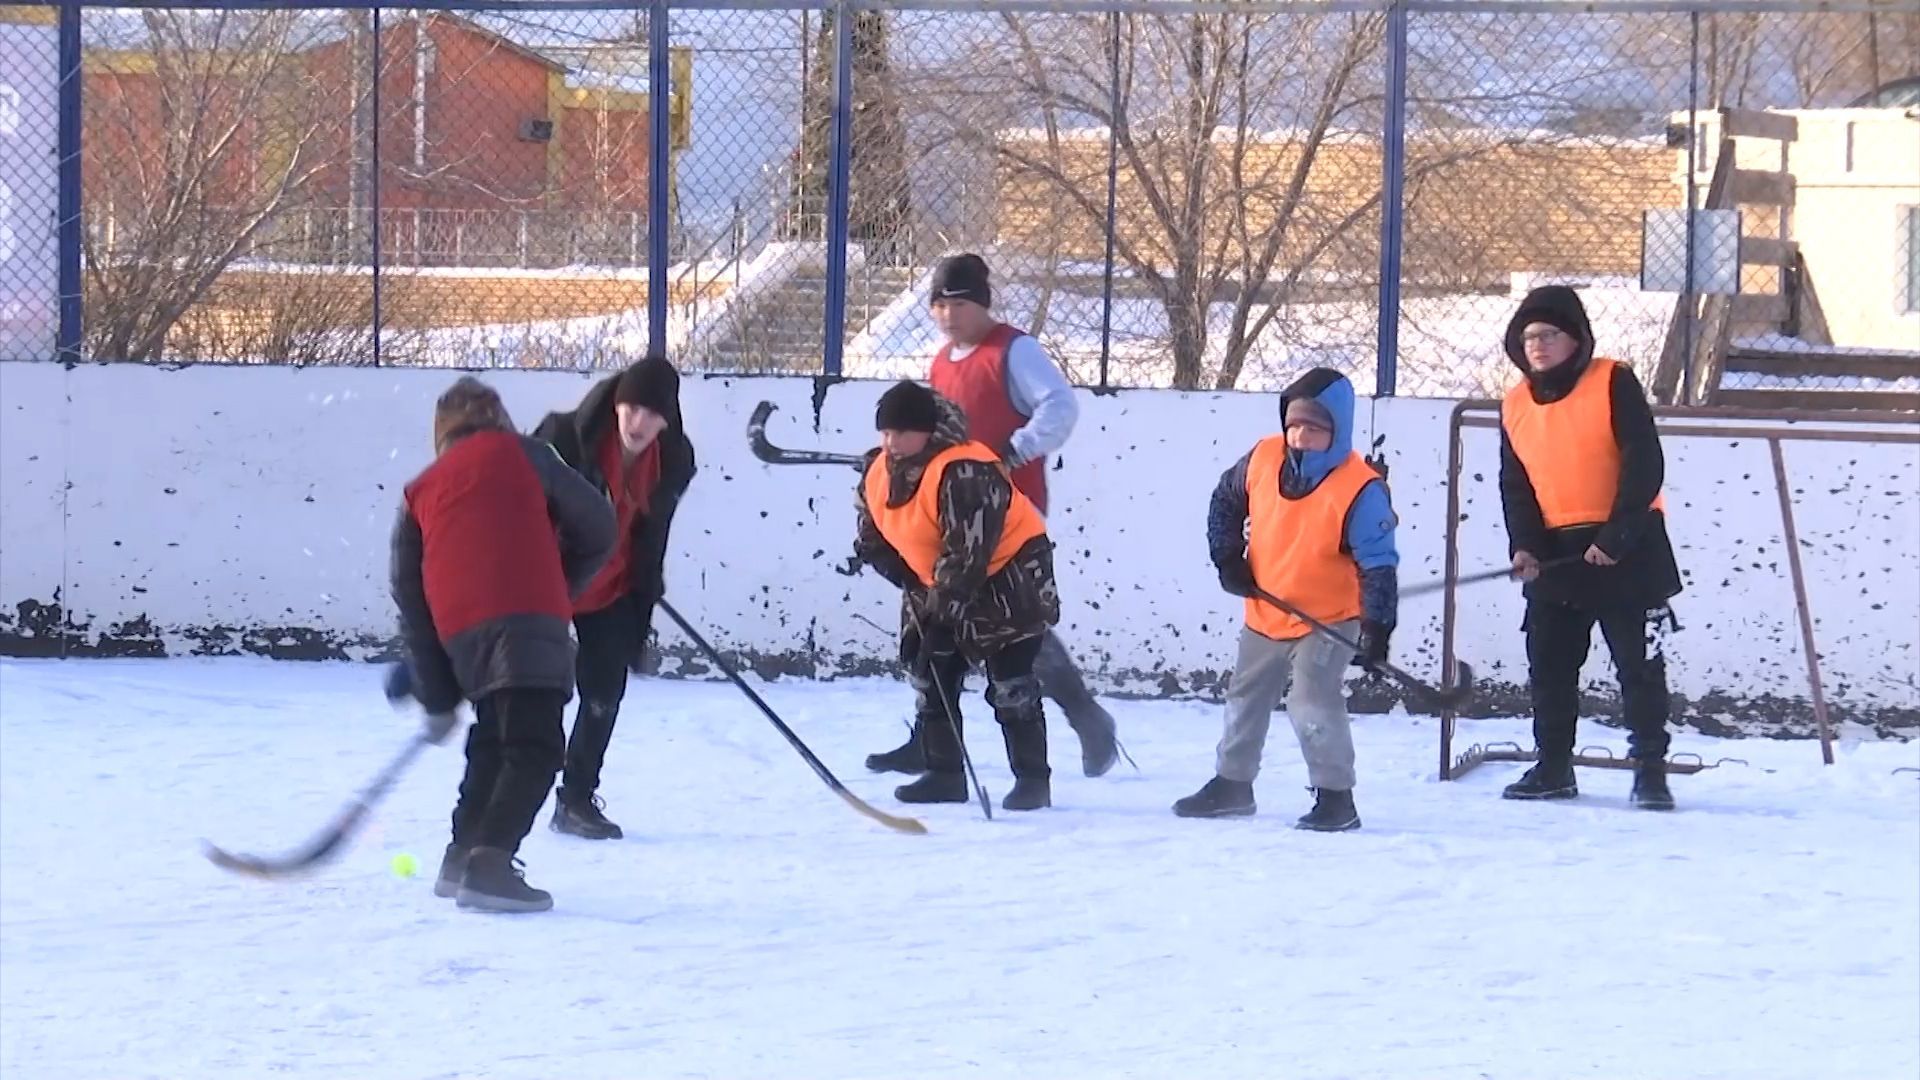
x=205 y=128
x=1218 y=125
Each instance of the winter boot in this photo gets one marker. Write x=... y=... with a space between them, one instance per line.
x=1219 y=797
x=582 y=817
x=1332 y=812
x=1029 y=793
x=907 y=758
x=1025 y=734
x=1546 y=780
x=1099 y=750
x=1650 y=790
x=934 y=787
x=453 y=867
x=494 y=882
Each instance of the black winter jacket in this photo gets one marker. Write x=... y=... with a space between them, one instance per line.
x=1634 y=534
x=578 y=435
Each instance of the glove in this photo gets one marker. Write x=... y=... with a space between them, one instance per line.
x=1237 y=578
x=399 y=685
x=439 y=725
x=1373 y=646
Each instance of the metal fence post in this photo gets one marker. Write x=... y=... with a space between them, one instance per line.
x=839 y=174
x=69 y=336
x=1113 y=192
x=373 y=193
x=1690 y=304
x=659 y=140
x=1393 y=179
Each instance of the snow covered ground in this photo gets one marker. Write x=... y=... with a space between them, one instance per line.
x=752 y=926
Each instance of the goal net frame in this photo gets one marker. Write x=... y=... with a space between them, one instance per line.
x=1772 y=426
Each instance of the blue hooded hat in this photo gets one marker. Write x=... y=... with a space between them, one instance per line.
x=1334 y=394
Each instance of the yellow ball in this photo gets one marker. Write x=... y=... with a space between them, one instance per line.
x=405 y=865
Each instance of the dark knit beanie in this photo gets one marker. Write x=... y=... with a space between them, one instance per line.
x=907 y=406
x=963 y=277
x=650 y=384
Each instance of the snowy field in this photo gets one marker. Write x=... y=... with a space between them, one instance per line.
x=752 y=926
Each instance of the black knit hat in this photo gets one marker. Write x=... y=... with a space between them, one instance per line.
x=907 y=406
x=963 y=277
x=650 y=384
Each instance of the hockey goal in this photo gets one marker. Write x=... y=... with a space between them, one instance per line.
x=1717 y=459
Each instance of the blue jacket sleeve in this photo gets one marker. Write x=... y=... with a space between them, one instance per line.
x=1370 y=538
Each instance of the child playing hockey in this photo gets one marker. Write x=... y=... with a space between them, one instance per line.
x=1302 y=518
x=939 y=517
x=493 y=541
x=1580 y=475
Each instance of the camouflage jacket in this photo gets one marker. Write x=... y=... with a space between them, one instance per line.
x=988 y=613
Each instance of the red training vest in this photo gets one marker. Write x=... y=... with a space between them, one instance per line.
x=488 y=545
x=631 y=489
x=978 y=384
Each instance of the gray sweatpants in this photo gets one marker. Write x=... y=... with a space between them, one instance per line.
x=1310 y=673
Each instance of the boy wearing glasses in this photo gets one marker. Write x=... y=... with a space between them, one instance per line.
x=1580 y=475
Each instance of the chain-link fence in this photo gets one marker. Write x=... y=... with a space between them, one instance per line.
x=1205 y=195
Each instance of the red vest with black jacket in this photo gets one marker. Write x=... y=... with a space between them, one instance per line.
x=488 y=545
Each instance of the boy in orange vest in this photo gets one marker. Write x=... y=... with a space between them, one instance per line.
x=1019 y=403
x=1305 y=519
x=1580 y=475
x=940 y=518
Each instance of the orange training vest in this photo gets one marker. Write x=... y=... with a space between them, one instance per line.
x=914 y=528
x=1568 y=448
x=1295 y=545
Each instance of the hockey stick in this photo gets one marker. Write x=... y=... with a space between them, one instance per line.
x=953 y=719
x=898 y=824
x=335 y=836
x=1486 y=575
x=764 y=449
x=1448 y=699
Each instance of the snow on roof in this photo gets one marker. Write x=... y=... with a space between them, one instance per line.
x=586 y=79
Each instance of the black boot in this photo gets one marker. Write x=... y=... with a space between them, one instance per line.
x=1026 y=737
x=1219 y=797
x=493 y=882
x=1099 y=750
x=1650 y=790
x=908 y=757
x=1332 y=812
x=1546 y=780
x=453 y=867
x=1029 y=794
x=1061 y=681
x=934 y=787
x=577 y=816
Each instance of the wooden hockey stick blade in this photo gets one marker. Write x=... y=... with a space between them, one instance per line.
x=891 y=821
x=764 y=449
x=332 y=839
